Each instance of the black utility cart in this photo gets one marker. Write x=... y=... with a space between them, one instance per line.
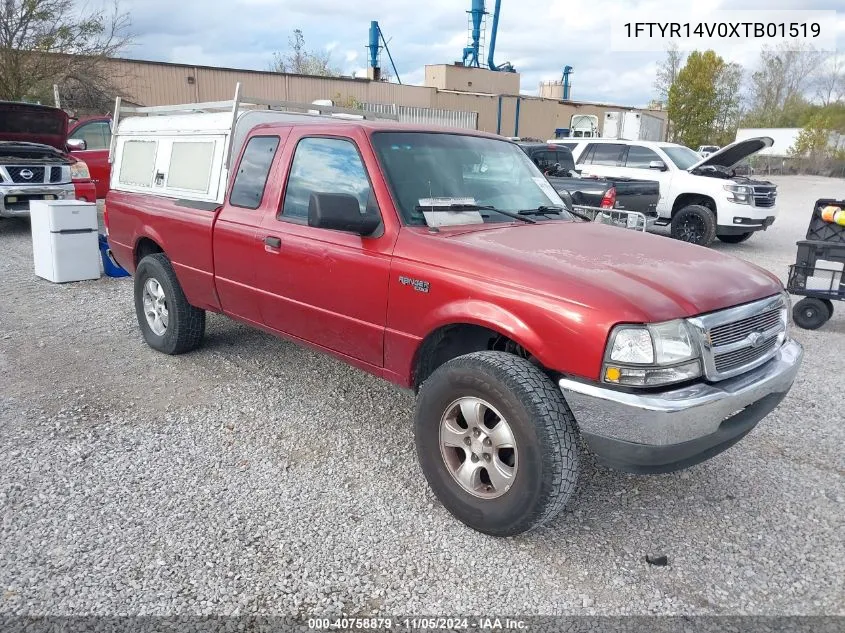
x=818 y=274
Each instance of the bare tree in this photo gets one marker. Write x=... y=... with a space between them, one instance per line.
x=783 y=75
x=46 y=42
x=830 y=82
x=667 y=72
x=299 y=60
x=728 y=100
x=667 y=75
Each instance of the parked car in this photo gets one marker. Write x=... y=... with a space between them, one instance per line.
x=445 y=263
x=34 y=162
x=705 y=150
x=701 y=198
x=558 y=165
x=90 y=138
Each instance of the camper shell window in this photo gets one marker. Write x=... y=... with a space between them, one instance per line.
x=138 y=163
x=190 y=165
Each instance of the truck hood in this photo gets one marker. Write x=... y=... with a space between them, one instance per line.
x=29 y=123
x=639 y=277
x=733 y=154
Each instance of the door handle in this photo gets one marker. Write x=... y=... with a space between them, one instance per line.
x=273 y=242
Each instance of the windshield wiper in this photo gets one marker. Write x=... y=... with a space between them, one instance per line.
x=473 y=207
x=547 y=210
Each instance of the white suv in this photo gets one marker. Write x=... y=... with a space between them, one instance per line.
x=702 y=198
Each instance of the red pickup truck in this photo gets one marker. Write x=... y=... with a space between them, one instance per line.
x=444 y=262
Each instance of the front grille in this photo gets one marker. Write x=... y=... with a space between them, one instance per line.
x=765 y=196
x=55 y=173
x=738 y=330
x=744 y=356
x=739 y=339
x=23 y=174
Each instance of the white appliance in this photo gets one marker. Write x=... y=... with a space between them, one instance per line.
x=64 y=240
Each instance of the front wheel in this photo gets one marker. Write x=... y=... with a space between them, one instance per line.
x=811 y=313
x=496 y=442
x=168 y=322
x=736 y=238
x=695 y=224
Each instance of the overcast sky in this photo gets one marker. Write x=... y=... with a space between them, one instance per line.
x=538 y=37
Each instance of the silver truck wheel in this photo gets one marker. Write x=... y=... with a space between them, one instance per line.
x=168 y=322
x=155 y=306
x=478 y=448
x=496 y=442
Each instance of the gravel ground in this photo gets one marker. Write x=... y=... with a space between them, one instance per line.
x=254 y=476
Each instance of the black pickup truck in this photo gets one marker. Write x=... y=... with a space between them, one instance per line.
x=557 y=163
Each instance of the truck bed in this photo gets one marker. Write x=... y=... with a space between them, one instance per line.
x=631 y=195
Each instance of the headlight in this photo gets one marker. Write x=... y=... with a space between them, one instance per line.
x=649 y=355
x=79 y=171
x=741 y=194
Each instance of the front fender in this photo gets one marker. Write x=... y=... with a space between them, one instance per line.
x=490 y=316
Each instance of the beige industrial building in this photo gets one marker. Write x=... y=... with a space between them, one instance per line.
x=493 y=96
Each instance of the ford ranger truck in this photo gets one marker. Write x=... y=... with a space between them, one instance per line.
x=444 y=262
x=34 y=162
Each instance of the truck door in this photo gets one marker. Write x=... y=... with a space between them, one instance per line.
x=238 y=243
x=324 y=286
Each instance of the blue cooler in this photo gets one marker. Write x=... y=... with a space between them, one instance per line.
x=110 y=265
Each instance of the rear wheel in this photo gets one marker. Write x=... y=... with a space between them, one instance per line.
x=811 y=313
x=168 y=322
x=496 y=442
x=736 y=238
x=694 y=224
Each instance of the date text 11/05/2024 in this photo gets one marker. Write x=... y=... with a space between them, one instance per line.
x=723 y=29
x=417 y=624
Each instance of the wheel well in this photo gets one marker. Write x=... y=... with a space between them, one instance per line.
x=144 y=247
x=686 y=199
x=455 y=340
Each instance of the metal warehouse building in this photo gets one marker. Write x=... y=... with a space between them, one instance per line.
x=474 y=97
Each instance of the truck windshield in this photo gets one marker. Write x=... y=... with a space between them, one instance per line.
x=683 y=157
x=452 y=172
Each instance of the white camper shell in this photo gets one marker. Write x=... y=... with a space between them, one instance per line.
x=186 y=151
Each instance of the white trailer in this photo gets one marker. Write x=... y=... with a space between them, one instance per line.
x=632 y=126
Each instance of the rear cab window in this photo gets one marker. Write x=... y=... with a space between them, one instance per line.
x=253 y=171
x=609 y=154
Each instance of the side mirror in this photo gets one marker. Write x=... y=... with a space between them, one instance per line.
x=340 y=212
x=76 y=144
x=657 y=164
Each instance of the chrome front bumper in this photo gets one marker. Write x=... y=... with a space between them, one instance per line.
x=61 y=191
x=669 y=430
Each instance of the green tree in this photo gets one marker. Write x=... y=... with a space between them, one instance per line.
x=703 y=101
x=47 y=42
x=300 y=61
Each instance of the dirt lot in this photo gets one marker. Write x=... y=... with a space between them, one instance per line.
x=255 y=476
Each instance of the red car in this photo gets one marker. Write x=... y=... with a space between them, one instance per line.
x=446 y=263
x=89 y=139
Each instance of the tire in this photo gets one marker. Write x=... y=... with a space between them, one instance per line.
x=811 y=313
x=736 y=238
x=695 y=224
x=544 y=457
x=183 y=324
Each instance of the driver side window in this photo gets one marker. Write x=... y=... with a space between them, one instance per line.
x=325 y=165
